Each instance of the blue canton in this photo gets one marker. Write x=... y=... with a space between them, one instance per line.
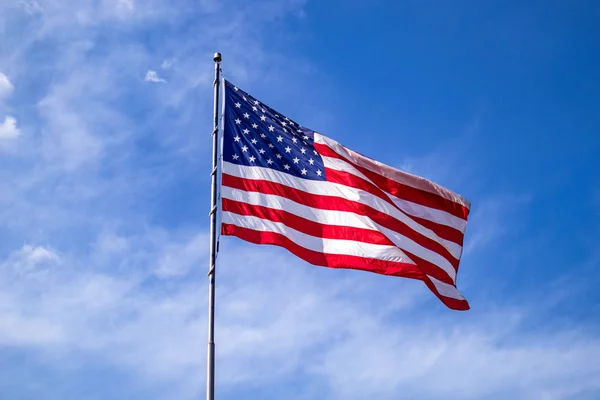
x=257 y=135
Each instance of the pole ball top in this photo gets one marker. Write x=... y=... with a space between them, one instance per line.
x=217 y=57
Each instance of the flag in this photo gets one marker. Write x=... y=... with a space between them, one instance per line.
x=287 y=185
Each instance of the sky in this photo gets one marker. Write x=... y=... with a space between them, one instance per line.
x=105 y=152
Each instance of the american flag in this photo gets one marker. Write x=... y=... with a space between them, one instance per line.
x=287 y=185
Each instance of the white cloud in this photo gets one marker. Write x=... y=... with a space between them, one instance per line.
x=469 y=362
x=109 y=243
x=333 y=327
x=70 y=138
x=179 y=258
x=128 y=5
x=38 y=254
x=31 y=6
x=8 y=128
x=492 y=218
x=31 y=260
x=6 y=86
x=152 y=76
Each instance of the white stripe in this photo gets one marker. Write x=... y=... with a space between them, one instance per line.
x=325 y=217
x=329 y=189
x=321 y=245
x=331 y=246
x=340 y=165
x=392 y=173
x=446 y=290
x=334 y=189
x=430 y=214
x=418 y=210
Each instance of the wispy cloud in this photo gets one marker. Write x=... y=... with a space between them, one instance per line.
x=6 y=86
x=152 y=76
x=166 y=64
x=493 y=213
x=301 y=322
x=8 y=128
x=430 y=361
x=100 y=279
x=492 y=217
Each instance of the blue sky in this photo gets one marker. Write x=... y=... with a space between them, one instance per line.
x=105 y=120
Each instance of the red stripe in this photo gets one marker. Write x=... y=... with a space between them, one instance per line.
x=429 y=268
x=454 y=304
x=400 y=190
x=331 y=203
x=307 y=226
x=323 y=259
x=340 y=261
x=347 y=179
x=443 y=231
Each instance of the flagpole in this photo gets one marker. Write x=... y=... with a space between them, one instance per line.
x=210 y=358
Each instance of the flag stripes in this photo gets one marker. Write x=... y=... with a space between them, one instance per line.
x=334 y=207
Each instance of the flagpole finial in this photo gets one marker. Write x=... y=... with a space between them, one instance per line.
x=217 y=57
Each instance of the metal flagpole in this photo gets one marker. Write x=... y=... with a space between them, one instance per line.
x=210 y=358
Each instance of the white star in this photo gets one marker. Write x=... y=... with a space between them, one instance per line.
x=246 y=131
x=279 y=138
x=254 y=108
x=303 y=171
x=303 y=150
x=252 y=158
x=244 y=97
x=288 y=149
x=245 y=148
x=294 y=139
x=238 y=105
x=262 y=135
x=254 y=141
x=237 y=138
x=319 y=172
x=285 y=130
x=316 y=154
x=246 y=115
x=296 y=160
x=235 y=156
x=286 y=166
x=287 y=119
x=261 y=151
x=279 y=156
x=263 y=110
x=238 y=121
x=305 y=137
x=263 y=118
x=311 y=161
x=254 y=126
x=256 y=102
x=271 y=145
x=276 y=116
x=269 y=161
x=235 y=88
x=271 y=128
x=284 y=124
